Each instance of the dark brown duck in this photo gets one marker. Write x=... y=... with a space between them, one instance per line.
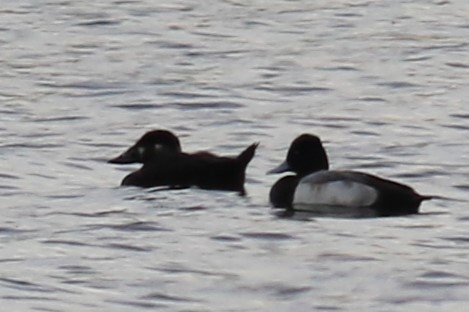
x=165 y=164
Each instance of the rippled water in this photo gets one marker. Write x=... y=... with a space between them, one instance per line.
x=383 y=83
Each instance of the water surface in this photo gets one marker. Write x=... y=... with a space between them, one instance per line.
x=383 y=84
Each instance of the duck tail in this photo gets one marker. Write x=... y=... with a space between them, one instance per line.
x=425 y=197
x=246 y=156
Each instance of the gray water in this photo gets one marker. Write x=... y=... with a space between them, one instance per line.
x=383 y=83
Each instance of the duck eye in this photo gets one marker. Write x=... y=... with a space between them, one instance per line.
x=158 y=147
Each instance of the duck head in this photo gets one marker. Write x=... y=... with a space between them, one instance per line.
x=147 y=145
x=305 y=155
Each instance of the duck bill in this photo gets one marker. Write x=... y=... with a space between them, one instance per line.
x=130 y=156
x=283 y=167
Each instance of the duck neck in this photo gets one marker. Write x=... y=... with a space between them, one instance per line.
x=319 y=163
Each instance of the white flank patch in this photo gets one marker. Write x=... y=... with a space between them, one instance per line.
x=337 y=193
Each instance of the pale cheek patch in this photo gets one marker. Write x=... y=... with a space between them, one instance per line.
x=337 y=193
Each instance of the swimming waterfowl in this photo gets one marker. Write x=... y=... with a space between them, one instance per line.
x=315 y=184
x=164 y=164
